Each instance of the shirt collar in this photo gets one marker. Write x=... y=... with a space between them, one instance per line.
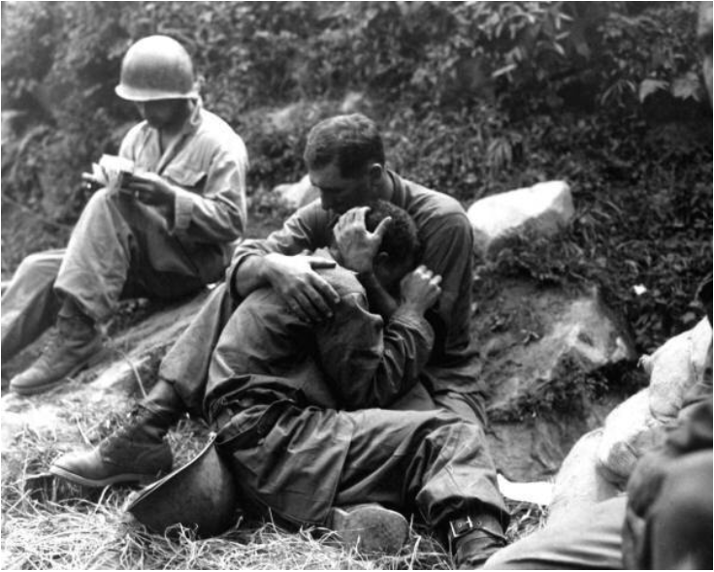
x=398 y=195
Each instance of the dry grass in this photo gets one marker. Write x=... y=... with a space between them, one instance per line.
x=84 y=535
x=48 y=524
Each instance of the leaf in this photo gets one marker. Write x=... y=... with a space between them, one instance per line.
x=504 y=70
x=689 y=317
x=686 y=87
x=650 y=86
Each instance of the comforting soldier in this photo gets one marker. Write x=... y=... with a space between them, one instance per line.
x=166 y=232
x=309 y=448
x=346 y=162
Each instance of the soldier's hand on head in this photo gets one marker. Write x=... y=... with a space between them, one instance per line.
x=420 y=289
x=305 y=293
x=356 y=244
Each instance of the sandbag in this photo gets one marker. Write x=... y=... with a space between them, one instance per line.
x=638 y=424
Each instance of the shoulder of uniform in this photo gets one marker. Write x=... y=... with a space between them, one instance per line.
x=433 y=205
x=344 y=281
x=217 y=132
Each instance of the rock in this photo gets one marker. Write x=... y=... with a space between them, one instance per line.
x=536 y=358
x=602 y=461
x=11 y=124
x=141 y=347
x=534 y=446
x=357 y=102
x=534 y=347
x=545 y=208
x=296 y=195
x=298 y=117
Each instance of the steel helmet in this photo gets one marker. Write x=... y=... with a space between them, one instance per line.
x=156 y=67
x=202 y=495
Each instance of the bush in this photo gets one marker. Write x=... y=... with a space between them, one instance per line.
x=474 y=98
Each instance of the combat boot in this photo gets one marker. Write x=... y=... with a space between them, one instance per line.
x=134 y=453
x=371 y=528
x=75 y=345
x=474 y=539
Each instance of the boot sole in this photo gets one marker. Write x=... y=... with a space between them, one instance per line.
x=124 y=478
x=91 y=361
x=371 y=529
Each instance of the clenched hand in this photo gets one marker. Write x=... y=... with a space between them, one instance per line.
x=420 y=289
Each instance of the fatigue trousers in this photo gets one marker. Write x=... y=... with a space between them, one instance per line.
x=118 y=249
x=294 y=463
x=591 y=538
x=186 y=366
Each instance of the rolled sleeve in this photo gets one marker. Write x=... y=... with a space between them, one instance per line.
x=306 y=230
x=183 y=210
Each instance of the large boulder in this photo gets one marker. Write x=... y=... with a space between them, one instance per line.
x=300 y=116
x=540 y=348
x=544 y=209
x=600 y=463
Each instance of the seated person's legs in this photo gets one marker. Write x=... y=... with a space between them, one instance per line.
x=29 y=305
x=137 y=451
x=443 y=469
x=467 y=406
x=590 y=539
x=426 y=461
x=114 y=244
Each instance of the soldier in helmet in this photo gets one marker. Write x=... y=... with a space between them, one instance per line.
x=165 y=232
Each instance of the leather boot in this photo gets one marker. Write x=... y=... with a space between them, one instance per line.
x=473 y=539
x=371 y=528
x=76 y=343
x=134 y=453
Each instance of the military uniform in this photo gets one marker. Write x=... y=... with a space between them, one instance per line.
x=451 y=373
x=123 y=248
x=283 y=393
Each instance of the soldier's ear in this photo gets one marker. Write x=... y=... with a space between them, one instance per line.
x=375 y=173
x=382 y=259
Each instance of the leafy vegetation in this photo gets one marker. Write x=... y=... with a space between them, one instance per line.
x=473 y=97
